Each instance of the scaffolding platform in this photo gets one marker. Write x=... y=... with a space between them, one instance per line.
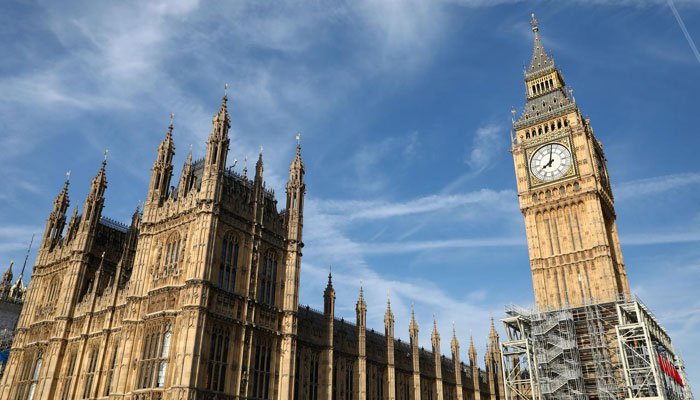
x=606 y=351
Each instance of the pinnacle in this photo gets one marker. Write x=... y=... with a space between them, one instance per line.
x=540 y=59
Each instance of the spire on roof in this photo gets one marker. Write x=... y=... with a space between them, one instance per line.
x=455 y=342
x=540 y=59
x=413 y=325
x=472 y=349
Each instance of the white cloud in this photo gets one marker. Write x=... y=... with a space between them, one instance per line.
x=376 y=210
x=655 y=185
x=487 y=142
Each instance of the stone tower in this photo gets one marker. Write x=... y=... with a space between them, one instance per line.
x=564 y=194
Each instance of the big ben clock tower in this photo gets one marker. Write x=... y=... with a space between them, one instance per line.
x=564 y=194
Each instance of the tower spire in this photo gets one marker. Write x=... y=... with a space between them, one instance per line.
x=57 y=218
x=92 y=210
x=540 y=60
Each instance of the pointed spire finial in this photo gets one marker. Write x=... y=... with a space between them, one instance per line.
x=533 y=22
x=261 y=150
x=172 y=118
x=225 y=90
x=104 y=161
x=68 y=176
x=245 y=166
x=26 y=256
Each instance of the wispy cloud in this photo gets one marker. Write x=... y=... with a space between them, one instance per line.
x=377 y=210
x=486 y=143
x=655 y=185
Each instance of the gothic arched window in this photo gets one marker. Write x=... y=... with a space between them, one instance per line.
x=218 y=360
x=228 y=265
x=172 y=255
x=261 y=369
x=154 y=357
x=35 y=377
x=163 y=359
x=90 y=374
x=110 y=372
x=268 y=279
x=54 y=289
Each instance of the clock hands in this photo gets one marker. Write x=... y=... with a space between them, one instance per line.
x=551 y=160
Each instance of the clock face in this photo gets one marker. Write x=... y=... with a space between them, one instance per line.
x=550 y=162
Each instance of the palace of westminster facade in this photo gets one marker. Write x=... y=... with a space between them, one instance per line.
x=198 y=297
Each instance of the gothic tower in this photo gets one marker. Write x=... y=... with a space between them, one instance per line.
x=564 y=194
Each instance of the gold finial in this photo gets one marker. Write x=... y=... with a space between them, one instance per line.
x=298 y=137
x=68 y=175
x=106 y=152
x=533 y=22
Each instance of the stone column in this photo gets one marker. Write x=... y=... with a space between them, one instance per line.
x=361 y=366
x=435 y=340
x=415 y=355
x=390 y=377
x=457 y=365
x=325 y=381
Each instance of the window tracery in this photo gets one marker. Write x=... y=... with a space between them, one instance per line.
x=228 y=263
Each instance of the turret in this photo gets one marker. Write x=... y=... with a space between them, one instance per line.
x=454 y=345
x=94 y=202
x=162 y=171
x=390 y=376
x=187 y=177
x=7 y=276
x=474 y=368
x=217 y=151
x=494 y=364
x=415 y=357
x=57 y=219
x=435 y=341
x=326 y=372
x=329 y=299
x=361 y=381
x=295 y=196
x=72 y=225
x=6 y=282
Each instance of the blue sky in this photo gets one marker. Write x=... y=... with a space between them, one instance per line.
x=404 y=108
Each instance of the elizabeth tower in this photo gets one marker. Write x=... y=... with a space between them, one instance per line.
x=564 y=194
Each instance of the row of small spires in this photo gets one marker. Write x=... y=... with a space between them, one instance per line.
x=413 y=325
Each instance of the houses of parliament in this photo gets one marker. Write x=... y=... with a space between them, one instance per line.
x=198 y=296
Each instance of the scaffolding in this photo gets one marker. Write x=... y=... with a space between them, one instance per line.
x=557 y=356
x=606 y=351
